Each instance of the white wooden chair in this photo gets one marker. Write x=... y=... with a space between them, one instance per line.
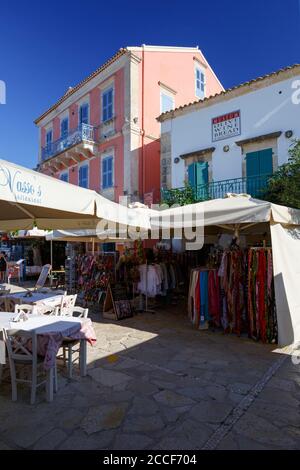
x=22 y=350
x=24 y=308
x=67 y=305
x=70 y=346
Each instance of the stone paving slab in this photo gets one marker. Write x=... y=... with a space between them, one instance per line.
x=154 y=382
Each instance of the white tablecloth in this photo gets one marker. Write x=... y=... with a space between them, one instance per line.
x=51 y=328
x=37 y=298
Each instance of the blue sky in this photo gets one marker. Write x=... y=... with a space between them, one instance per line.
x=47 y=46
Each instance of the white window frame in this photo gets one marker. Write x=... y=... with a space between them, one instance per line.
x=88 y=174
x=103 y=157
x=200 y=70
x=169 y=95
x=103 y=91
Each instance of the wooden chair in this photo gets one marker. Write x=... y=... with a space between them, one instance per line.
x=24 y=308
x=67 y=305
x=22 y=351
x=70 y=346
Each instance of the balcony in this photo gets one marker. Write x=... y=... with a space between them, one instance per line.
x=253 y=185
x=82 y=134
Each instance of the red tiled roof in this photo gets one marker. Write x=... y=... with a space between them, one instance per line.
x=173 y=112
x=72 y=90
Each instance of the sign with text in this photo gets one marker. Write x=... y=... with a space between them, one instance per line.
x=226 y=126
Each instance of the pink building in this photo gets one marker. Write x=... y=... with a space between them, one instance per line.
x=103 y=133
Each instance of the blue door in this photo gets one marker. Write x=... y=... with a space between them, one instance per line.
x=198 y=179
x=259 y=166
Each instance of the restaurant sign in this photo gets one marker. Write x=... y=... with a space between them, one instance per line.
x=225 y=126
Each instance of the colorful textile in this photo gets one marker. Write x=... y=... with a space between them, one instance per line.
x=261 y=298
x=49 y=344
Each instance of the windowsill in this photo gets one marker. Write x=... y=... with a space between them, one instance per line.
x=108 y=121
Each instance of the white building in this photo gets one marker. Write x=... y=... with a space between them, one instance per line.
x=232 y=141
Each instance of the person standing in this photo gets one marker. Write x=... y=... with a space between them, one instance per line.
x=3 y=266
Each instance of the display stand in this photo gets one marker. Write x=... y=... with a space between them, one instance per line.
x=142 y=303
x=114 y=308
x=70 y=268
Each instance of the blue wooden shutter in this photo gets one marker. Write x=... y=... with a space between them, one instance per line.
x=104 y=107
x=49 y=137
x=107 y=105
x=266 y=169
x=104 y=173
x=202 y=180
x=266 y=162
x=109 y=172
x=252 y=164
x=83 y=176
x=201 y=173
x=110 y=104
x=64 y=128
x=192 y=174
x=258 y=165
x=252 y=171
x=84 y=114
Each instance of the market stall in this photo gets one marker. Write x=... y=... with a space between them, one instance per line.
x=272 y=233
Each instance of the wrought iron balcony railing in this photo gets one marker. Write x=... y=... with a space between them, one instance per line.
x=254 y=185
x=84 y=132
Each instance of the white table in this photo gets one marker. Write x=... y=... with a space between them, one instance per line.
x=47 y=325
x=39 y=299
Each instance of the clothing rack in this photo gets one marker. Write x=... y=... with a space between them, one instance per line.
x=146 y=309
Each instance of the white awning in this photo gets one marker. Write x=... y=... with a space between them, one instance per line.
x=29 y=198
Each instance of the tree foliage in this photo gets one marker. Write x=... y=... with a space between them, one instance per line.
x=284 y=186
x=180 y=196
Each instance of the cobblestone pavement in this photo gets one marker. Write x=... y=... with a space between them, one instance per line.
x=156 y=383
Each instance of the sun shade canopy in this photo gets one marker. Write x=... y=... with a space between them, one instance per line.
x=29 y=198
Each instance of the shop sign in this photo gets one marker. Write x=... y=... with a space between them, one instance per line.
x=24 y=188
x=226 y=126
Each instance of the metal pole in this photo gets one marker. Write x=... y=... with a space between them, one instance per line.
x=51 y=262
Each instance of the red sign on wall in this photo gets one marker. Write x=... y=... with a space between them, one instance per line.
x=225 y=126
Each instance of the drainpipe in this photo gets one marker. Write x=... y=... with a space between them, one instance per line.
x=143 y=131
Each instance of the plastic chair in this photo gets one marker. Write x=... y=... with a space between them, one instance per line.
x=70 y=346
x=22 y=350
